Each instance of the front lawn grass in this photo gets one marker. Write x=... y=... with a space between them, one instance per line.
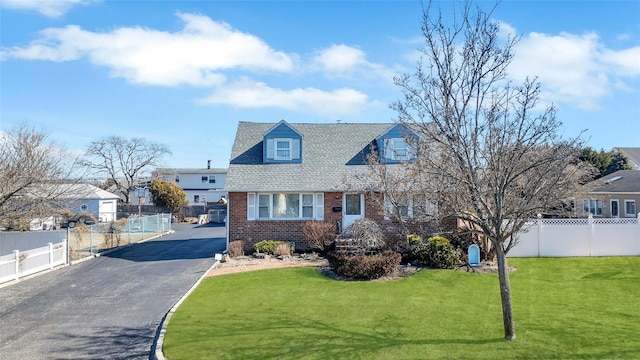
x=564 y=308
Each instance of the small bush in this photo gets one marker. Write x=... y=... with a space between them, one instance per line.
x=364 y=267
x=413 y=239
x=436 y=252
x=283 y=250
x=320 y=235
x=236 y=248
x=363 y=236
x=268 y=246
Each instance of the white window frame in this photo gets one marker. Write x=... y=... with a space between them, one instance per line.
x=395 y=150
x=205 y=179
x=316 y=206
x=632 y=213
x=592 y=204
x=276 y=156
x=611 y=208
x=411 y=212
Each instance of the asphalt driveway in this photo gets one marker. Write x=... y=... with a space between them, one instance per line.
x=108 y=307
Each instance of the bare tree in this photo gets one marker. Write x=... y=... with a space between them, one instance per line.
x=491 y=153
x=34 y=174
x=124 y=161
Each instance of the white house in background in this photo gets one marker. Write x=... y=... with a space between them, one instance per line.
x=202 y=186
x=79 y=198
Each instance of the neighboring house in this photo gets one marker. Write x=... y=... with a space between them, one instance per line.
x=86 y=198
x=632 y=154
x=283 y=175
x=202 y=186
x=615 y=195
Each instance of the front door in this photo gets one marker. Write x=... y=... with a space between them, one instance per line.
x=352 y=208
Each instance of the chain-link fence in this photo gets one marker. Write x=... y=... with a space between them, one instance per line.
x=87 y=240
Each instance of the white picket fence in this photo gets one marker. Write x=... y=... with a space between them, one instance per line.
x=579 y=237
x=24 y=263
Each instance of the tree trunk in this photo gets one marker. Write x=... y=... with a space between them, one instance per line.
x=505 y=294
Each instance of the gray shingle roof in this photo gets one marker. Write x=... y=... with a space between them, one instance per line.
x=330 y=153
x=633 y=155
x=621 y=181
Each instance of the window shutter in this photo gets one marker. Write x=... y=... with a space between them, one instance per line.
x=251 y=206
x=295 y=149
x=388 y=149
x=320 y=206
x=270 y=152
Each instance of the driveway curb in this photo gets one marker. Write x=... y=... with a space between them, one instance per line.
x=156 y=349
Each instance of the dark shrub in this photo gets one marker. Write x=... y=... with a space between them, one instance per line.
x=436 y=252
x=364 y=267
x=320 y=235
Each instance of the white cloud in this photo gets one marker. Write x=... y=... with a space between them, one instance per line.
x=575 y=69
x=192 y=56
x=249 y=94
x=340 y=59
x=49 y=8
x=347 y=61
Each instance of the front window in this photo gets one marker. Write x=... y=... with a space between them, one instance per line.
x=594 y=207
x=286 y=206
x=415 y=206
x=196 y=198
x=630 y=208
x=263 y=206
x=212 y=179
x=205 y=179
x=283 y=149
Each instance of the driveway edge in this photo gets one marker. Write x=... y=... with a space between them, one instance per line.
x=156 y=348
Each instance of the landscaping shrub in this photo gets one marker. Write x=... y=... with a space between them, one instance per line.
x=283 y=250
x=364 y=267
x=268 y=246
x=320 y=235
x=236 y=248
x=436 y=252
x=363 y=236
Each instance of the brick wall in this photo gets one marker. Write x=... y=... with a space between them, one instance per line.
x=254 y=231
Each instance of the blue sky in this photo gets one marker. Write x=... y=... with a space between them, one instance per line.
x=183 y=73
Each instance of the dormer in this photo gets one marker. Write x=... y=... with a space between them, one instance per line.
x=397 y=144
x=282 y=144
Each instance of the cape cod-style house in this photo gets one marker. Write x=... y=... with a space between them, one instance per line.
x=283 y=175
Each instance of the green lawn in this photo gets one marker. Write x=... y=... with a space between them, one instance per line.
x=564 y=308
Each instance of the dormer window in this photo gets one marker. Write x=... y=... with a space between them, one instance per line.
x=282 y=144
x=397 y=149
x=283 y=149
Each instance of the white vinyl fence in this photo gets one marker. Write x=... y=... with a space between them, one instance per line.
x=24 y=263
x=579 y=237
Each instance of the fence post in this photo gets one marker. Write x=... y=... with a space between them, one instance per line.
x=539 y=221
x=16 y=253
x=638 y=227
x=65 y=247
x=590 y=236
x=50 y=255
